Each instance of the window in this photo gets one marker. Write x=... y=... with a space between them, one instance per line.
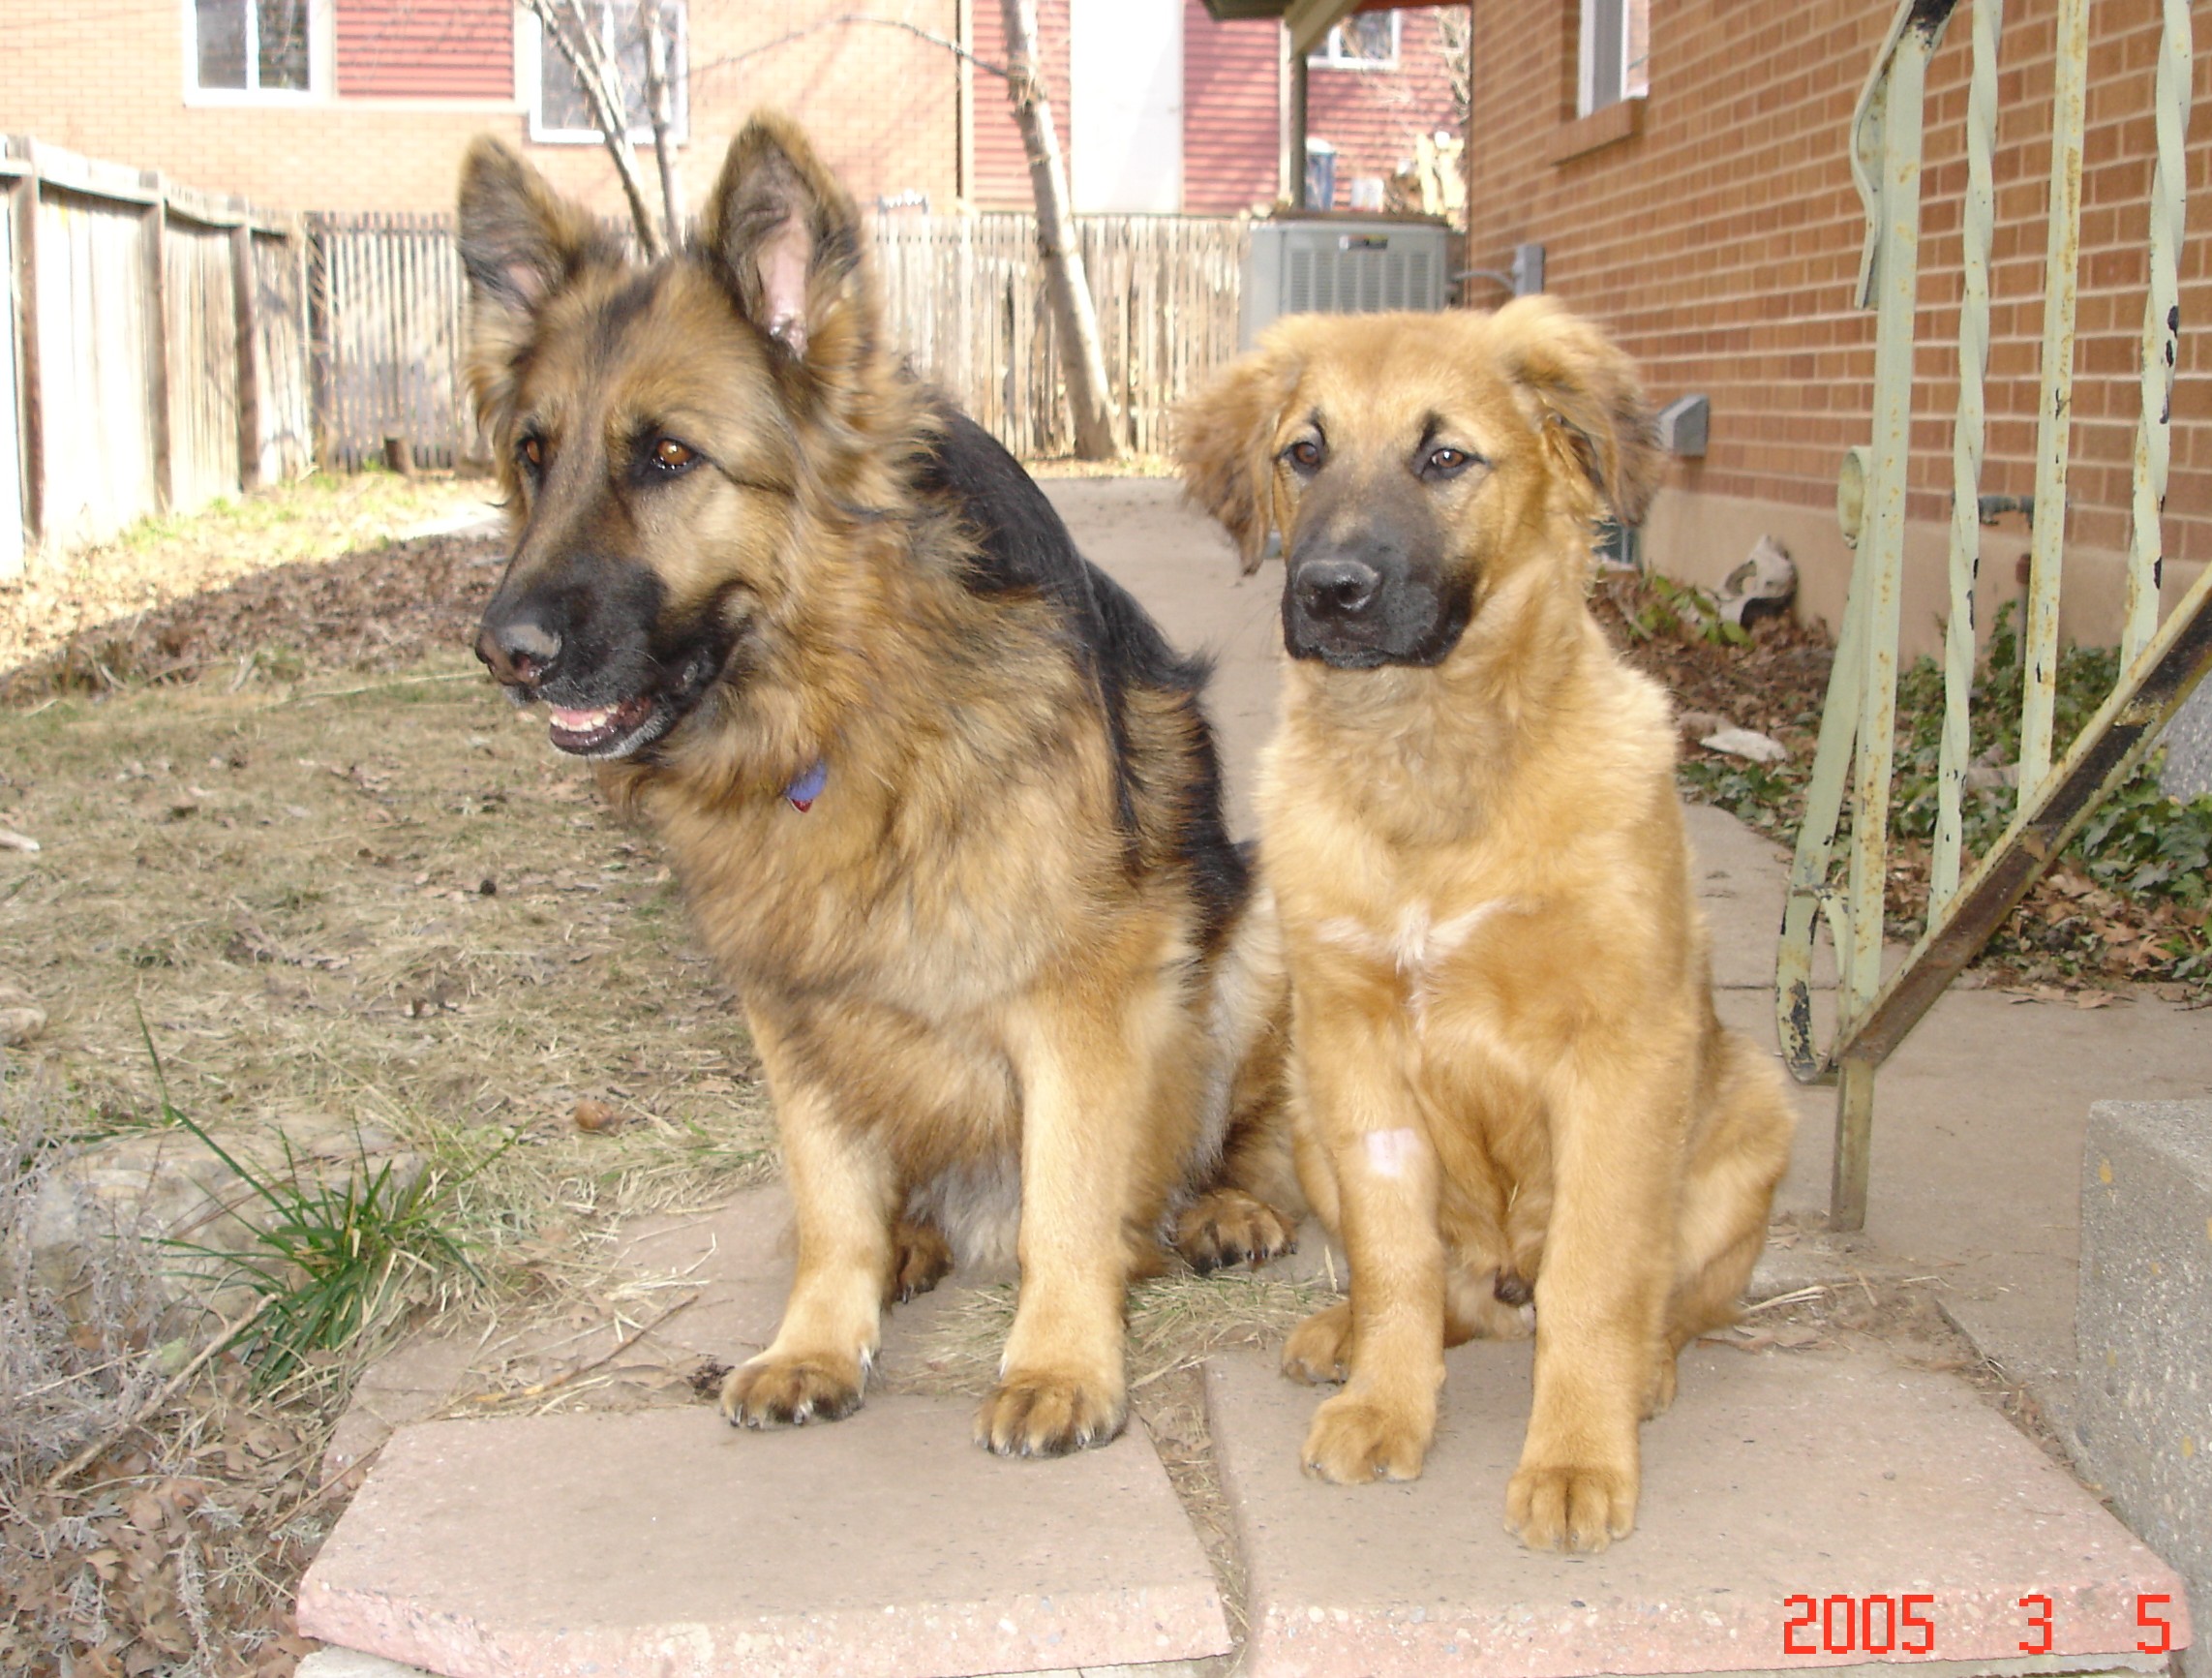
x=1615 y=50
x=253 y=47
x=561 y=113
x=1364 y=40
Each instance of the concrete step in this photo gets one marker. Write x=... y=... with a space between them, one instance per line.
x=666 y=1544
x=1781 y=1496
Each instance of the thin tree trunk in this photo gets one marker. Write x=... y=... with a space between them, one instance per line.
x=1064 y=282
x=572 y=34
x=660 y=105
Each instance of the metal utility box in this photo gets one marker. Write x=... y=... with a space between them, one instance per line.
x=1340 y=265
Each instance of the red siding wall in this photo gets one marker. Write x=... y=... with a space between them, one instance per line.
x=408 y=48
x=1232 y=113
x=1372 y=116
x=1002 y=169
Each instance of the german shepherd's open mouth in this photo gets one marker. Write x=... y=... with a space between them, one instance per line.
x=610 y=695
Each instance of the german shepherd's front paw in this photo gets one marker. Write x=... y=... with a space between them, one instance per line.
x=1226 y=1227
x=1040 y=1413
x=1356 y=1438
x=1320 y=1349
x=771 y=1392
x=1570 y=1506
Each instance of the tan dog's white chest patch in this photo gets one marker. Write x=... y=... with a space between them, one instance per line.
x=1417 y=946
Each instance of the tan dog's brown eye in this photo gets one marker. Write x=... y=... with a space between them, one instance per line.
x=1305 y=454
x=1447 y=462
x=532 y=450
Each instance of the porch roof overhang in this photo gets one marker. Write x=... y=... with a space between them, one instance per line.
x=1309 y=20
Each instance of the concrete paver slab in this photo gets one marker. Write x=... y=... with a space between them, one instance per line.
x=663 y=1545
x=2143 y=1425
x=1774 y=1485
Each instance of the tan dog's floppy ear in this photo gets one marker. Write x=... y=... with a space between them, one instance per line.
x=1224 y=442
x=1587 y=386
x=785 y=239
x=520 y=241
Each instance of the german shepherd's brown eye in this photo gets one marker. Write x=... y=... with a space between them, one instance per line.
x=671 y=457
x=532 y=448
x=1305 y=454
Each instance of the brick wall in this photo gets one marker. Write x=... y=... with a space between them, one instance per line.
x=880 y=102
x=1372 y=116
x=1721 y=243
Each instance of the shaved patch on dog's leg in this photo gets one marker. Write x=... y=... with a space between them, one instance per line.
x=1391 y=1153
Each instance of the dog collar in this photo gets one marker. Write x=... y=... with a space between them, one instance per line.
x=802 y=792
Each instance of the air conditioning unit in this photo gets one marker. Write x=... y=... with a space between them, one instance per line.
x=1340 y=265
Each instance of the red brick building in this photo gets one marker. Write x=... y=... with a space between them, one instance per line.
x=365 y=104
x=1712 y=224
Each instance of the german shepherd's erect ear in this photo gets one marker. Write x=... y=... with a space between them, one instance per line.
x=1588 y=405
x=1224 y=442
x=520 y=242
x=785 y=239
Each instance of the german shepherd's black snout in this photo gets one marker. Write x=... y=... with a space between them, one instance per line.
x=521 y=649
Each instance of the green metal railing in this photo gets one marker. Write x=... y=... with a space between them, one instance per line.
x=2159 y=665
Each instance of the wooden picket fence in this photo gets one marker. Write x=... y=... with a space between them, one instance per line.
x=388 y=312
x=153 y=356
x=170 y=346
x=963 y=295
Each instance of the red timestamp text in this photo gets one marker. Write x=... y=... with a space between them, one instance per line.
x=1905 y=1624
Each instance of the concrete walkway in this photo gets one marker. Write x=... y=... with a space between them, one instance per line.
x=1783 y=1487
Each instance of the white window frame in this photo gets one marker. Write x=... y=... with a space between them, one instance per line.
x=529 y=64
x=321 y=58
x=1331 y=53
x=1635 y=78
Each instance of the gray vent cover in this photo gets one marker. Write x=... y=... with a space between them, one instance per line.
x=1336 y=267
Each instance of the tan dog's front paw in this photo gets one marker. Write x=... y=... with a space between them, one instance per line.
x=1320 y=1349
x=1660 y=1392
x=1356 y=1438
x=923 y=1258
x=1039 y=1413
x=790 y=1392
x=1228 y=1227
x=1574 y=1506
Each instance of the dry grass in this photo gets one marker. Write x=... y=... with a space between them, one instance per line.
x=378 y=899
x=163 y=561
x=290 y=824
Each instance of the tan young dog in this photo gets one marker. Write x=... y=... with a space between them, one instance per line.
x=1510 y=1082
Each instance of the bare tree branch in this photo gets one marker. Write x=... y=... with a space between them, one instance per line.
x=660 y=109
x=573 y=34
x=1064 y=282
x=844 y=20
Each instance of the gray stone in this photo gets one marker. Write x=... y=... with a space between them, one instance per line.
x=157 y=1185
x=2142 y=1426
x=1771 y=1478
x=2188 y=742
x=665 y=1543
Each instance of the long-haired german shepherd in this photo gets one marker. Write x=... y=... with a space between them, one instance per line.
x=1509 y=1077
x=942 y=798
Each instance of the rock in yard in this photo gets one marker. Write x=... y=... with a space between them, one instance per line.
x=168 y=1186
x=1747 y=743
